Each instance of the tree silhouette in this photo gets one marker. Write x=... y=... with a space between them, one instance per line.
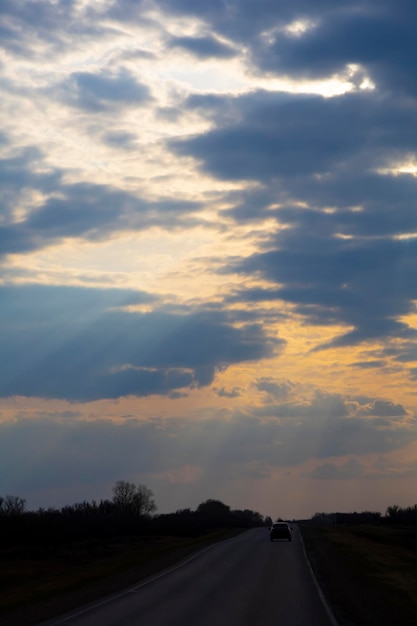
x=393 y=511
x=214 y=509
x=133 y=500
x=10 y=506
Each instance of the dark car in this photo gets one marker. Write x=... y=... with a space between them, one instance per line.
x=280 y=530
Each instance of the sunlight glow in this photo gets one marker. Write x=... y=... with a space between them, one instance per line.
x=342 y=236
x=297 y=28
x=400 y=167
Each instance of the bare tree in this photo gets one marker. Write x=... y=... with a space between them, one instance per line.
x=12 y=505
x=393 y=511
x=137 y=500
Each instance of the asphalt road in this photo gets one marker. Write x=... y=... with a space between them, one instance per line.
x=244 y=581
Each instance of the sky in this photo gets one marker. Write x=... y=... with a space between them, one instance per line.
x=208 y=252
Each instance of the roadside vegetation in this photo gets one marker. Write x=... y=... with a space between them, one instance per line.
x=366 y=565
x=55 y=559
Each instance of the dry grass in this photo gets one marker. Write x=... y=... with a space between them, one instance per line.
x=368 y=573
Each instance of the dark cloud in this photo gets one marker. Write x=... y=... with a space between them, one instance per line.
x=343 y=281
x=90 y=456
x=79 y=452
x=175 y=395
x=359 y=203
x=235 y=392
x=403 y=354
x=19 y=173
x=333 y=268
x=322 y=404
x=329 y=471
x=81 y=210
x=81 y=345
x=325 y=426
x=383 y=408
x=324 y=152
x=203 y=47
x=340 y=247
x=99 y=92
x=30 y=17
x=278 y=391
x=378 y=37
x=42 y=28
x=245 y=20
x=338 y=281
x=135 y=55
x=121 y=139
x=343 y=437
x=344 y=246
x=369 y=364
x=275 y=135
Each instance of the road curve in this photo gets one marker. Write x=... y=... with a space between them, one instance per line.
x=243 y=581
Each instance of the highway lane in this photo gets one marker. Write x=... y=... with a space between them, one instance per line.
x=243 y=581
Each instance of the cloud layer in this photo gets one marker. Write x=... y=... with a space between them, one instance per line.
x=201 y=203
x=78 y=344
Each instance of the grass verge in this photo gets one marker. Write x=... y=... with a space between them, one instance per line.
x=367 y=573
x=38 y=584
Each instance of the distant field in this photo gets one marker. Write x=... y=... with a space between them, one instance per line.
x=367 y=573
x=41 y=582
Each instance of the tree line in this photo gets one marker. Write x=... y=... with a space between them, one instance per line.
x=394 y=515
x=130 y=512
